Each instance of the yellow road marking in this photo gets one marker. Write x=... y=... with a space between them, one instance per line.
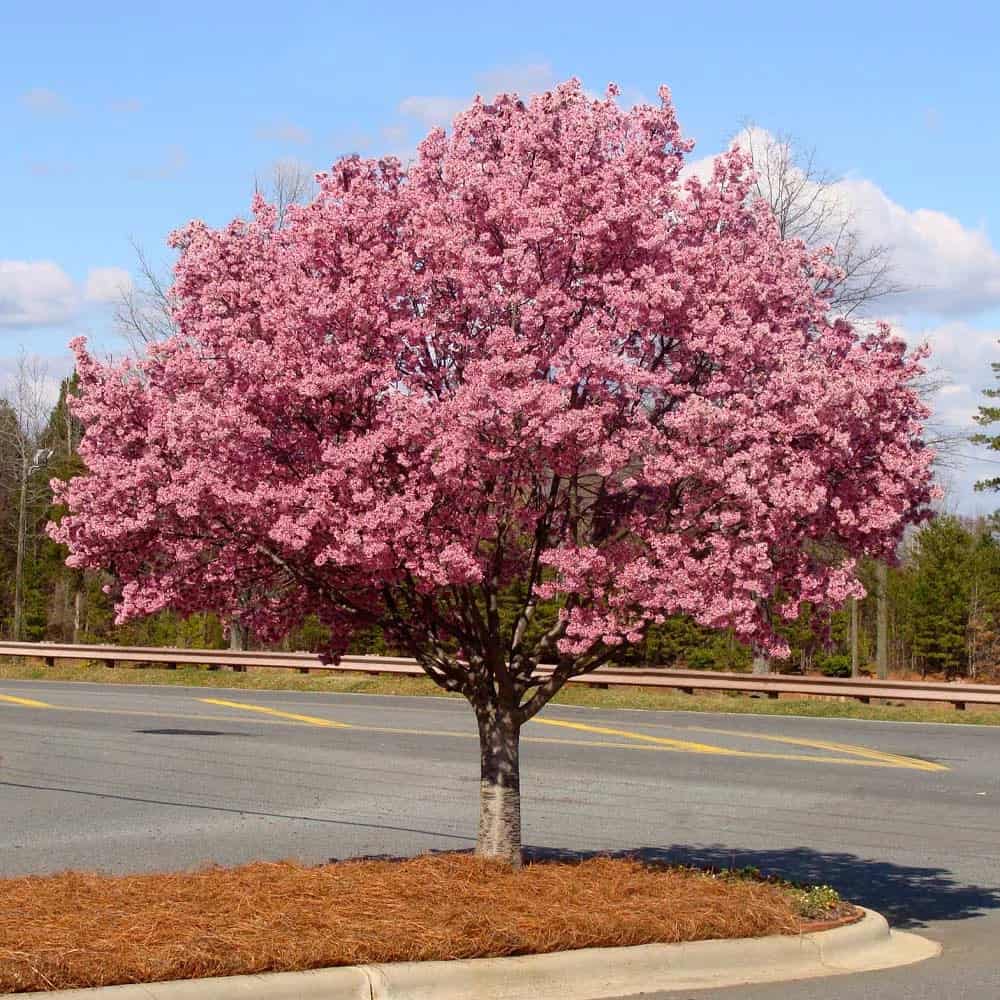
x=861 y=756
x=875 y=758
x=682 y=745
x=29 y=702
x=161 y=715
x=893 y=760
x=310 y=719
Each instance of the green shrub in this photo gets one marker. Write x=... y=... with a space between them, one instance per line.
x=816 y=901
x=837 y=665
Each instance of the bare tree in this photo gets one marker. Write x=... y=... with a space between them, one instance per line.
x=144 y=313
x=291 y=183
x=26 y=395
x=808 y=205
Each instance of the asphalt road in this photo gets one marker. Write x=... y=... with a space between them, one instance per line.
x=900 y=817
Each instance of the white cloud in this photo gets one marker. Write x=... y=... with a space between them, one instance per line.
x=700 y=168
x=959 y=365
x=42 y=101
x=40 y=293
x=527 y=79
x=945 y=268
x=394 y=133
x=631 y=96
x=283 y=132
x=174 y=161
x=433 y=111
x=49 y=369
x=106 y=284
x=524 y=80
x=396 y=142
x=352 y=139
x=35 y=293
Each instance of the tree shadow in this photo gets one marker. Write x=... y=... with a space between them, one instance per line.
x=190 y=732
x=907 y=896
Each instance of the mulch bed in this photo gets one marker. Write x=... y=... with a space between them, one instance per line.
x=83 y=929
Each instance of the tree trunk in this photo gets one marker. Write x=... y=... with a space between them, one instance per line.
x=761 y=662
x=19 y=564
x=882 y=623
x=855 y=660
x=77 y=604
x=237 y=635
x=499 y=787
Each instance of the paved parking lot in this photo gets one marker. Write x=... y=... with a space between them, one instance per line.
x=900 y=817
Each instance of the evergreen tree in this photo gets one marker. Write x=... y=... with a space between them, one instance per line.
x=943 y=557
x=989 y=415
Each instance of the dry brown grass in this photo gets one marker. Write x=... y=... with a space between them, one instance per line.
x=80 y=929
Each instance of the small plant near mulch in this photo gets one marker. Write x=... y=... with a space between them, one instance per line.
x=815 y=903
x=85 y=929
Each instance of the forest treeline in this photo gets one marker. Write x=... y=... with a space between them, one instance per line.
x=943 y=598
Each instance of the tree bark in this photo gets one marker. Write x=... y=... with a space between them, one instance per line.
x=77 y=604
x=855 y=661
x=499 y=787
x=761 y=662
x=19 y=565
x=237 y=635
x=882 y=622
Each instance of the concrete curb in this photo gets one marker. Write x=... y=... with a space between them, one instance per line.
x=587 y=974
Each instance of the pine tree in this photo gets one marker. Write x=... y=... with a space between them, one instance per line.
x=942 y=559
x=989 y=415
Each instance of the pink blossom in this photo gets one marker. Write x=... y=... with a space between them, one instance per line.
x=534 y=355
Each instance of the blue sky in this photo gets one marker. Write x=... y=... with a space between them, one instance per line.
x=124 y=121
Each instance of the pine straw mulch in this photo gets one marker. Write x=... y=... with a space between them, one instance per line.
x=84 y=929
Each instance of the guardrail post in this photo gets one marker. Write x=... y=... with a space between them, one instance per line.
x=686 y=690
x=50 y=661
x=959 y=706
x=170 y=666
x=109 y=664
x=773 y=694
x=864 y=699
x=303 y=670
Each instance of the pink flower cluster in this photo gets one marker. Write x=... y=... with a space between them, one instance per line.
x=535 y=355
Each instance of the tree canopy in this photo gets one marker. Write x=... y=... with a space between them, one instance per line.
x=535 y=355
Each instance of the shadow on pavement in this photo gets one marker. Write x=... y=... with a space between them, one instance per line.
x=908 y=897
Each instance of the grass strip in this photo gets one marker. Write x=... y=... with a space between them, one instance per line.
x=270 y=679
x=86 y=929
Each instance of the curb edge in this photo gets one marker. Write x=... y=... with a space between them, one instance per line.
x=586 y=974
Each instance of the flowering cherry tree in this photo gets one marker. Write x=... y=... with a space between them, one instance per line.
x=534 y=356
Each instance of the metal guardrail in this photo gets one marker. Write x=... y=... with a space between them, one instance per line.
x=688 y=681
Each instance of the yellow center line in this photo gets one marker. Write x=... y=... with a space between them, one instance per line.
x=866 y=755
x=863 y=756
x=891 y=759
x=808 y=758
x=28 y=702
x=310 y=719
x=680 y=745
